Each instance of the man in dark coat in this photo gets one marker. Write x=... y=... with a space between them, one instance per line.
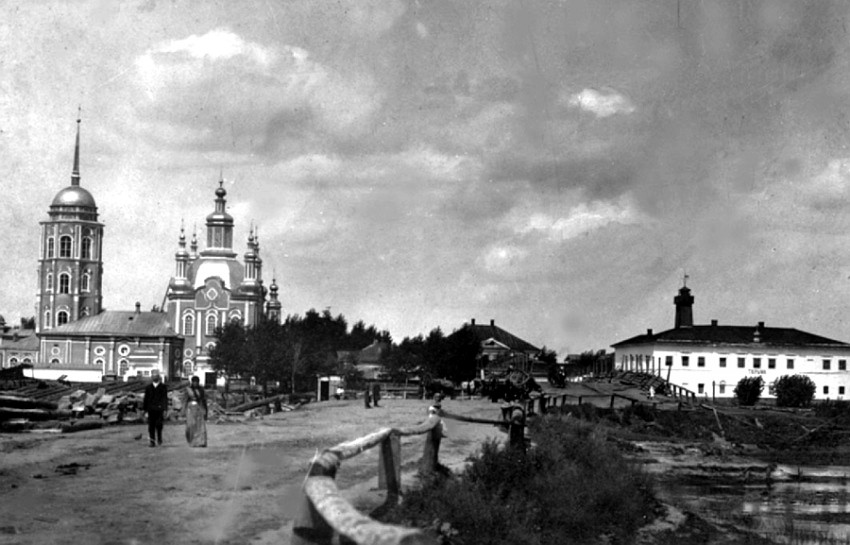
x=155 y=404
x=376 y=393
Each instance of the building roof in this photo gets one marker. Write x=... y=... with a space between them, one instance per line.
x=733 y=335
x=117 y=323
x=20 y=339
x=492 y=331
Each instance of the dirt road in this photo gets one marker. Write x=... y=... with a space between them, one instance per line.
x=107 y=487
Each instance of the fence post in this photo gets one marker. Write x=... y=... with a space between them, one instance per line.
x=612 y=401
x=309 y=527
x=516 y=429
x=430 y=457
x=389 y=466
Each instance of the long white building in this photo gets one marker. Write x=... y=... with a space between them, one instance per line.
x=710 y=359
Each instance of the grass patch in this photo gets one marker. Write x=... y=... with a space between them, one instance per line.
x=572 y=487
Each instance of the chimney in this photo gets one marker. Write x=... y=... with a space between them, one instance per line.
x=761 y=326
x=138 y=307
x=473 y=321
x=649 y=332
x=492 y=322
x=714 y=323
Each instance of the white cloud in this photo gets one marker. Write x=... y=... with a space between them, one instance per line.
x=602 y=103
x=205 y=81
x=580 y=220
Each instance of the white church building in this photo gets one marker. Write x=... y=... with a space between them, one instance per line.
x=710 y=359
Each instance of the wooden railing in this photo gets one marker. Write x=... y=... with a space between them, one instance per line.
x=325 y=513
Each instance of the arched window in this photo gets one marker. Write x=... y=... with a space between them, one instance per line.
x=49 y=281
x=61 y=317
x=51 y=247
x=85 y=285
x=65 y=243
x=13 y=361
x=47 y=318
x=212 y=322
x=27 y=360
x=64 y=283
x=188 y=324
x=85 y=249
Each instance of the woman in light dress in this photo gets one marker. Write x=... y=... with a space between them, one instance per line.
x=196 y=414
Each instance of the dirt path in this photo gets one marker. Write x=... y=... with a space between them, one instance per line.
x=243 y=488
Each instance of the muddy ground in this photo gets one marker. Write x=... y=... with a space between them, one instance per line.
x=107 y=486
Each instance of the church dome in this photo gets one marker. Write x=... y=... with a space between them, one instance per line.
x=74 y=195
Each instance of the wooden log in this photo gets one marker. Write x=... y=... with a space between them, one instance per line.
x=389 y=467
x=337 y=515
x=9 y=413
x=18 y=402
x=259 y=403
x=431 y=453
x=82 y=425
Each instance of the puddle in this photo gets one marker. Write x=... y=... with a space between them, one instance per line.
x=786 y=504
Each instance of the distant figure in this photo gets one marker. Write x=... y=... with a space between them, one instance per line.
x=651 y=392
x=339 y=392
x=154 y=404
x=366 y=395
x=196 y=414
x=376 y=392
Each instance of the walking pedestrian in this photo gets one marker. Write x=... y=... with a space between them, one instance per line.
x=155 y=404
x=366 y=395
x=196 y=414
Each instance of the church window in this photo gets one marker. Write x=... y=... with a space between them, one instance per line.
x=188 y=324
x=51 y=247
x=64 y=283
x=13 y=361
x=61 y=317
x=46 y=318
x=85 y=249
x=86 y=283
x=212 y=322
x=49 y=281
x=65 y=246
x=27 y=360
x=99 y=362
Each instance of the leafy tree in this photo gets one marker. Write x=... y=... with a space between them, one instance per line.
x=28 y=323
x=461 y=356
x=794 y=391
x=264 y=352
x=228 y=356
x=547 y=356
x=748 y=390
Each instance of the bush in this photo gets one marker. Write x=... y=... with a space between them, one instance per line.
x=748 y=390
x=794 y=391
x=573 y=483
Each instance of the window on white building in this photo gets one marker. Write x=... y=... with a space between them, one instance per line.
x=827 y=364
x=49 y=281
x=789 y=364
x=756 y=363
x=825 y=390
x=62 y=317
x=771 y=363
x=700 y=388
x=85 y=248
x=188 y=324
x=722 y=362
x=841 y=390
x=741 y=362
x=212 y=322
x=685 y=361
x=64 y=283
x=701 y=361
x=721 y=388
x=85 y=285
x=842 y=365
x=65 y=246
x=51 y=247
x=669 y=361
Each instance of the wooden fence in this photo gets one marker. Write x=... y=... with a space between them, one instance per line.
x=325 y=514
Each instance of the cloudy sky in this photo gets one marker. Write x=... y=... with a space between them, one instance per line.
x=555 y=166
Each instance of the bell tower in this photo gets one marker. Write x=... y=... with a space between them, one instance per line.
x=70 y=265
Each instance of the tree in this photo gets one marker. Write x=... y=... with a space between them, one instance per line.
x=547 y=356
x=748 y=390
x=264 y=352
x=462 y=351
x=794 y=391
x=228 y=356
x=28 y=323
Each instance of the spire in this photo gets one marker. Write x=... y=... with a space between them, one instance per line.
x=75 y=173
x=182 y=240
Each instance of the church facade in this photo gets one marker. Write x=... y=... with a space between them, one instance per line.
x=212 y=287
x=710 y=359
x=76 y=339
